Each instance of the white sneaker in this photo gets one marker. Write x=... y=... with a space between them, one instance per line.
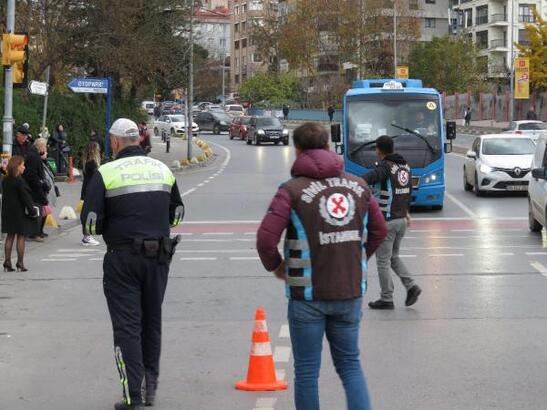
x=90 y=241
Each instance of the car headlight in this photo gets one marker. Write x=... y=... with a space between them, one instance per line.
x=260 y=132
x=285 y=132
x=433 y=178
x=485 y=168
x=223 y=123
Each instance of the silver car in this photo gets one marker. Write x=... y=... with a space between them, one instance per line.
x=530 y=128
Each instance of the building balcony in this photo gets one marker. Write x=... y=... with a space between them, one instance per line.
x=479 y=21
x=499 y=45
x=497 y=71
x=499 y=20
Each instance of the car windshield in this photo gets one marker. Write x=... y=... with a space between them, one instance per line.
x=245 y=120
x=268 y=122
x=532 y=126
x=151 y=105
x=222 y=117
x=412 y=119
x=177 y=118
x=508 y=146
x=235 y=108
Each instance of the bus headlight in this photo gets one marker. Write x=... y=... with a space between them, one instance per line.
x=433 y=178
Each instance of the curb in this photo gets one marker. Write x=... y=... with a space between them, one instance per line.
x=202 y=160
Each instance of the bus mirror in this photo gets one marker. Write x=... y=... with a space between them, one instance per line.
x=336 y=133
x=451 y=130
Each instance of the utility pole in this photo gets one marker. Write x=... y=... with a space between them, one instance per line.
x=223 y=77
x=512 y=63
x=44 y=115
x=8 y=90
x=190 y=94
x=395 y=39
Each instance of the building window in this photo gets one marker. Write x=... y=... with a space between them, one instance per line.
x=256 y=5
x=236 y=28
x=526 y=13
x=236 y=62
x=523 y=38
x=244 y=26
x=243 y=8
x=244 y=43
x=429 y=1
x=243 y=61
x=236 y=44
x=430 y=23
x=468 y=17
x=413 y=4
x=236 y=10
x=482 y=15
x=255 y=58
x=237 y=78
x=482 y=39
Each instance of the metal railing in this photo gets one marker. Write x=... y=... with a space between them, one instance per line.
x=481 y=20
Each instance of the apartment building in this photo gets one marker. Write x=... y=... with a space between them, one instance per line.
x=212 y=31
x=434 y=18
x=490 y=22
x=244 y=61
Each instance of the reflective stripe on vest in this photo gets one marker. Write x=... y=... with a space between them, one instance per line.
x=300 y=243
x=136 y=174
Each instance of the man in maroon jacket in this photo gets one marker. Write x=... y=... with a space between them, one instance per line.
x=333 y=225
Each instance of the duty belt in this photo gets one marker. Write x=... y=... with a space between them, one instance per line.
x=161 y=249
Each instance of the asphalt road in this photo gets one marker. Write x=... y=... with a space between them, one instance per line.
x=475 y=340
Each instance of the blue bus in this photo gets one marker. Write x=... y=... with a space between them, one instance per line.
x=412 y=115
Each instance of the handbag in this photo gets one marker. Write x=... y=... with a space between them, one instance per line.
x=57 y=191
x=46 y=210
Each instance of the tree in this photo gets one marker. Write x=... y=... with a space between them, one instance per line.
x=271 y=89
x=450 y=64
x=536 y=51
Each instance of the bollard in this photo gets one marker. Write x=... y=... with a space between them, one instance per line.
x=167 y=144
x=70 y=170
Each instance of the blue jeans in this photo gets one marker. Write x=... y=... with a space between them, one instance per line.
x=308 y=322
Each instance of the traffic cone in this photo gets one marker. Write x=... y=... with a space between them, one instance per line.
x=261 y=374
x=50 y=221
x=79 y=207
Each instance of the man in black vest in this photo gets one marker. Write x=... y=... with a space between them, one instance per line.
x=391 y=182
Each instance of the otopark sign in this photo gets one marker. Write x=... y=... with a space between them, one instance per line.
x=90 y=85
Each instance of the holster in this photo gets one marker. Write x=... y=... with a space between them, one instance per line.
x=167 y=249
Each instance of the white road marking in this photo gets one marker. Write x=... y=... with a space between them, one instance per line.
x=244 y=258
x=282 y=354
x=221 y=222
x=249 y=233
x=284 y=332
x=539 y=267
x=265 y=403
x=217 y=251
x=536 y=253
x=63 y=255
x=200 y=185
x=199 y=259
x=185 y=234
x=407 y=256
x=445 y=254
x=188 y=192
x=81 y=250
x=280 y=374
x=461 y=205
x=425 y=219
x=219 y=240
x=470 y=247
x=218 y=233
x=96 y=259
x=58 y=260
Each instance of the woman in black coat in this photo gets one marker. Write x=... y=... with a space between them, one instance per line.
x=36 y=180
x=17 y=209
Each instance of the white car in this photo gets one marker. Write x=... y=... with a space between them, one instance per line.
x=529 y=128
x=148 y=106
x=498 y=162
x=537 y=190
x=173 y=125
x=235 y=110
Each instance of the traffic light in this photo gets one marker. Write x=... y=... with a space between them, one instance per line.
x=15 y=54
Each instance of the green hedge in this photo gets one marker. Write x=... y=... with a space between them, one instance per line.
x=79 y=113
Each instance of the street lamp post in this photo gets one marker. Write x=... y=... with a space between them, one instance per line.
x=395 y=39
x=512 y=63
x=8 y=86
x=190 y=94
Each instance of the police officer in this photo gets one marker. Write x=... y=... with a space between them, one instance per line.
x=132 y=202
x=333 y=225
x=391 y=182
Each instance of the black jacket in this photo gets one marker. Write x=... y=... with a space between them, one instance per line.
x=21 y=149
x=90 y=168
x=126 y=216
x=391 y=183
x=531 y=115
x=35 y=176
x=17 y=206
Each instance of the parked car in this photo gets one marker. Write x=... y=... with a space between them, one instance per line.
x=529 y=128
x=537 y=189
x=266 y=129
x=173 y=125
x=215 y=121
x=235 y=110
x=214 y=107
x=239 y=128
x=498 y=162
x=148 y=106
x=202 y=106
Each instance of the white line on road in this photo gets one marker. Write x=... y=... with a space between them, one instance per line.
x=199 y=259
x=539 y=267
x=280 y=373
x=284 y=332
x=200 y=185
x=219 y=240
x=57 y=260
x=72 y=255
x=536 y=253
x=218 y=233
x=445 y=254
x=249 y=233
x=221 y=222
x=282 y=354
x=407 y=256
x=461 y=205
x=188 y=192
x=265 y=403
x=244 y=258
x=81 y=250
x=425 y=219
x=96 y=259
x=217 y=251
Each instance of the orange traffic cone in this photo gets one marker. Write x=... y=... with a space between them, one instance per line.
x=261 y=374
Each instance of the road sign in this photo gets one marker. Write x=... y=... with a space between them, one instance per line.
x=37 y=87
x=89 y=85
x=402 y=72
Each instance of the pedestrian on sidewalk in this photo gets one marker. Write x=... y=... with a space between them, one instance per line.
x=391 y=182
x=36 y=179
x=333 y=225
x=91 y=160
x=134 y=219
x=144 y=137
x=330 y=111
x=22 y=144
x=531 y=114
x=94 y=137
x=285 y=112
x=17 y=211
x=467 y=116
x=52 y=191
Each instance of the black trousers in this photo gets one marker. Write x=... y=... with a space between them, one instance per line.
x=134 y=287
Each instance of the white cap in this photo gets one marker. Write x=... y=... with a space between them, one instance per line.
x=124 y=128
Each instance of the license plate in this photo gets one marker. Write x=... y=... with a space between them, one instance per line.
x=517 y=188
x=274 y=137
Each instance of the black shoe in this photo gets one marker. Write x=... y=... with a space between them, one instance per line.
x=122 y=406
x=151 y=384
x=43 y=235
x=412 y=295
x=381 y=304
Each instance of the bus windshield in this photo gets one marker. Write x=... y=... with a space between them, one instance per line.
x=413 y=120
